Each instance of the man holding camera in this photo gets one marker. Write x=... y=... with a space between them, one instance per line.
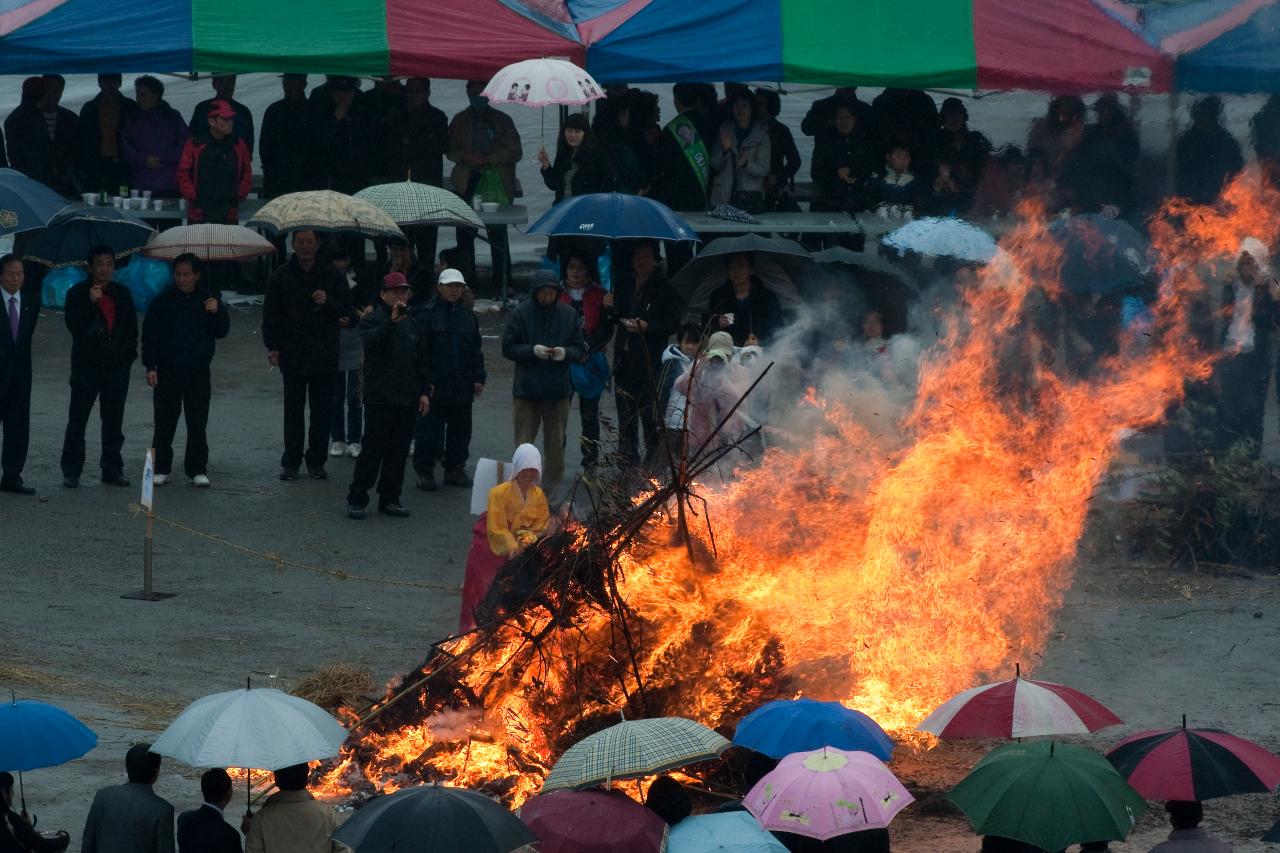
x=395 y=381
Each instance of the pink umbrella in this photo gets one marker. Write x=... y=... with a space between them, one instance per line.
x=593 y=822
x=827 y=792
x=1018 y=708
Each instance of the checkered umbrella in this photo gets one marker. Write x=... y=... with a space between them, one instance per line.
x=209 y=242
x=324 y=210
x=412 y=203
x=634 y=749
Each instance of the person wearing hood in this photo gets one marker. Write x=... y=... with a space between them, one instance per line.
x=543 y=337
x=179 y=333
x=516 y=516
x=152 y=140
x=712 y=389
x=590 y=375
x=215 y=171
x=743 y=306
x=395 y=386
x=742 y=157
x=457 y=379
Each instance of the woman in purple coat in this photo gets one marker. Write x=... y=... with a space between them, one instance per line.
x=151 y=140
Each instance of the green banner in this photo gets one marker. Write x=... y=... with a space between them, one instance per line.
x=311 y=36
x=927 y=43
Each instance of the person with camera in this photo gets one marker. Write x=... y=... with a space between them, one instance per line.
x=396 y=383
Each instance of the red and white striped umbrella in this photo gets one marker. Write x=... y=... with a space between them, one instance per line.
x=1018 y=708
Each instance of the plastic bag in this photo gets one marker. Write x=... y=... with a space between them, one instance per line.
x=53 y=291
x=590 y=377
x=146 y=279
x=490 y=187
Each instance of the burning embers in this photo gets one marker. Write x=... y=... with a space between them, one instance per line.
x=889 y=571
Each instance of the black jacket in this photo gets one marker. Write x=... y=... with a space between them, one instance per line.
x=457 y=356
x=594 y=175
x=204 y=830
x=417 y=142
x=763 y=320
x=397 y=360
x=15 y=356
x=1207 y=157
x=178 y=332
x=831 y=153
x=551 y=326
x=90 y=131
x=304 y=333
x=91 y=344
x=18 y=836
x=287 y=147
x=637 y=355
x=675 y=184
x=52 y=162
x=347 y=149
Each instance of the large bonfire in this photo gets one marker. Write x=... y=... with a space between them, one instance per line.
x=888 y=569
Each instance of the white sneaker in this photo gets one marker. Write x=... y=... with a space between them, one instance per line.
x=200 y=481
x=160 y=479
x=338 y=448
x=353 y=449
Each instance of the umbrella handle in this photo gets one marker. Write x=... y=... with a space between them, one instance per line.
x=22 y=792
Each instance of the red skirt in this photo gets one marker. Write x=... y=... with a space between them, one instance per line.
x=482 y=568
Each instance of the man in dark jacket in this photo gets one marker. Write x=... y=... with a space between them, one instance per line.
x=304 y=302
x=682 y=162
x=20 y=312
x=646 y=311
x=346 y=136
x=287 y=143
x=543 y=337
x=1207 y=154
x=822 y=112
x=178 y=335
x=457 y=378
x=132 y=816
x=44 y=141
x=215 y=172
x=204 y=830
x=104 y=344
x=396 y=382
x=224 y=88
x=101 y=120
x=417 y=142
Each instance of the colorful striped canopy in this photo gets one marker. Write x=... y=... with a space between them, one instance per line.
x=1054 y=45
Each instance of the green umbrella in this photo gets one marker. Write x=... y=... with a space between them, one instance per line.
x=1049 y=795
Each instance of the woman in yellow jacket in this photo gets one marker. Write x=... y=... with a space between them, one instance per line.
x=516 y=517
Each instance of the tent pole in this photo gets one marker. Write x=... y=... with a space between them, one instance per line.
x=1171 y=155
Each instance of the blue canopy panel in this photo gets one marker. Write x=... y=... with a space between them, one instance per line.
x=94 y=36
x=690 y=40
x=1245 y=58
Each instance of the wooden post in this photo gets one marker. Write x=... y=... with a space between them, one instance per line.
x=148 y=592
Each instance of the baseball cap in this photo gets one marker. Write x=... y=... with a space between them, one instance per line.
x=393 y=280
x=221 y=109
x=452 y=276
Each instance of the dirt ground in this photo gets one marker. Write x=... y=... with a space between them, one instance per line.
x=273 y=581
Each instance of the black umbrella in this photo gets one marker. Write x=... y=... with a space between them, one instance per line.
x=777 y=262
x=67 y=238
x=434 y=819
x=883 y=286
x=25 y=204
x=1100 y=255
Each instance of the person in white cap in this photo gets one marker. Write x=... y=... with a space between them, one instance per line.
x=457 y=379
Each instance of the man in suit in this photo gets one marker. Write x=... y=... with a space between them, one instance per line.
x=131 y=818
x=104 y=345
x=204 y=830
x=19 y=324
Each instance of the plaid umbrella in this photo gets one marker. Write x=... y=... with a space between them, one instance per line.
x=633 y=749
x=66 y=240
x=324 y=210
x=209 y=242
x=412 y=203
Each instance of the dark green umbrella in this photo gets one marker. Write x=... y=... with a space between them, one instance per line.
x=434 y=819
x=1049 y=795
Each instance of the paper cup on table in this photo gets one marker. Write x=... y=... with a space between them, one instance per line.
x=182 y=204
x=146 y=194
x=117 y=201
x=89 y=198
x=135 y=193
x=157 y=204
x=489 y=206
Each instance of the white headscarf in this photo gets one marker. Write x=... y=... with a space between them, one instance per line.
x=526 y=457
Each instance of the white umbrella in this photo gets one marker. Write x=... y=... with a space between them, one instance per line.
x=943 y=237
x=542 y=83
x=324 y=210
x=208 y=241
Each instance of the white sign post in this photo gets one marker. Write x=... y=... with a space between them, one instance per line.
x=148 y=503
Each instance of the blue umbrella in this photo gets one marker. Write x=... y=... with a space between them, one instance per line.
x=25 y=204
x=1100 y=255
x=67 y=238
x=36 y=734
x=725 y=832
x=802 y=725
x=616 y=216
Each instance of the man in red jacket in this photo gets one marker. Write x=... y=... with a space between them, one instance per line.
x=215 y=172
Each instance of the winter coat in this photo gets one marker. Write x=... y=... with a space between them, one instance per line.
x=92 y=344
x=90 y=130
x=728 y=178
x=214 y=175
x=504 y=149
x=674 y=183
x=159 y=131
x=287 y=147
x=591 y=314
x=833 y=152
x=347 y=149
x=178 y=332
x=763 y=318
x=893 y=188
x=457 y=353
x=1207 y=158
x=241 y=125
x=397 y=360
x=304 y=333
x=674 y=365
x=416 y=145
x=555 y=325
x=784 y=156
x=822 y=114
x=52 y=162
x=636 y=355
x=594 y=173
x=1102 y=170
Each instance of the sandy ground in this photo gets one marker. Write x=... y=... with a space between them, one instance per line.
x=1150 y=643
